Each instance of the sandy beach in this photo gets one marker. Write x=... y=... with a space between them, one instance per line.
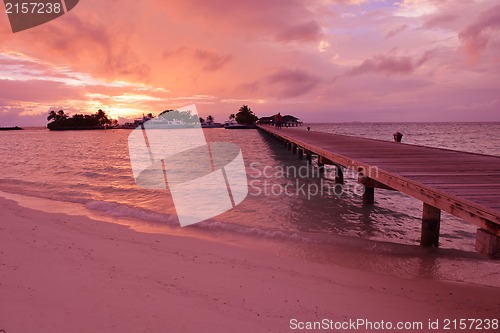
x=62 y=273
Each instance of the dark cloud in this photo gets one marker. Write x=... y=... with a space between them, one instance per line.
x=308 y=31
x=396 y=31
x=292 y=83
x=390 y=64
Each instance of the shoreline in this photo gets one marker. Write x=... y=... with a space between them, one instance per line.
x=380 y=256
x=70 y=273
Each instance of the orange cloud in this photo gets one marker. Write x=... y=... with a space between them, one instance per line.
x=134 y=57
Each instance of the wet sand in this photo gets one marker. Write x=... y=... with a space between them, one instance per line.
x=64 y=273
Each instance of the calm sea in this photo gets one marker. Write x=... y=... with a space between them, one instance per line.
x=89 y=172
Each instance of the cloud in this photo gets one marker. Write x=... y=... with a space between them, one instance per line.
x=417 y=8
x=396 y=31
x=118 y=55
x=211 y=61
x=440 y=20
x=390 y=64
x=476 y=36
x=308 y=31
x=274 y=20
x=39 y=91
x=87 y=43
x=292 y=83
x=12 y=116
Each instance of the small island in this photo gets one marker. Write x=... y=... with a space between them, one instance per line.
x=15 y=128
x=244 y=119
x=60 y=121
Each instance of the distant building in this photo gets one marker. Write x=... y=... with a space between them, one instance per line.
x=286 y=121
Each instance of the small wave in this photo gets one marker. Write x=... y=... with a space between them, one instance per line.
x=90 y=174
x=123 y=210
x=304 y=238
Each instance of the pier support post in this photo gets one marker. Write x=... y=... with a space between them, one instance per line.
x=294 y=148
x=339 y=174
x=431 y=221
x=369 y=196
x=289 y=145
x=487 y=243
x=309 y=156
x=301 y=153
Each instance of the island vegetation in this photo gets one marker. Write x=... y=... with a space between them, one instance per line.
x=14 y=128
x=61 y=121
x=245 y=116
x=185 y=117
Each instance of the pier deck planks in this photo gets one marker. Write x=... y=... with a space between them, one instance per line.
x=464 y=184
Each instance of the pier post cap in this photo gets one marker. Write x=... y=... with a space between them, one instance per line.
x=397 y=136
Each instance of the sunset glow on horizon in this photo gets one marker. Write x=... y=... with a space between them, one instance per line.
x=320 y=60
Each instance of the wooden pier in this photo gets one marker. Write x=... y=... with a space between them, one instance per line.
x=463 y=184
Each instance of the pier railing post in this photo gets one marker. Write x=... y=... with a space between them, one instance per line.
x=301 y=153
x=294 y=148
x=431 y=221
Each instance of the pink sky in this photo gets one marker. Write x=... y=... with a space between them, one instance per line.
x=321 y=60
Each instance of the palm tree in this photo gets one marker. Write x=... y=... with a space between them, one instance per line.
x=232 y=116
x=57 y=116
x=245 y=115
x=210 y=119
x=102 y=118
x=52 y=116
x=62 y=115
x=245 y=109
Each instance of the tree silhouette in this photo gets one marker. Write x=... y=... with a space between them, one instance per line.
x=102 y=118
x=185 y=117
x=57 y=116
x=246 y=116
x=62 y=115
x=52 y=116
x=61 y=120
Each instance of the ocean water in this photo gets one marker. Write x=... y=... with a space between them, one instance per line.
x=89 y=172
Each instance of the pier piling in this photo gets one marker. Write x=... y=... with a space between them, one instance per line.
x=369 y=196
x=487 y=243
x=431 y=221
x=462 y=184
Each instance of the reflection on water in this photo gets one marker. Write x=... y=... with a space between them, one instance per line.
x=92 y=168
